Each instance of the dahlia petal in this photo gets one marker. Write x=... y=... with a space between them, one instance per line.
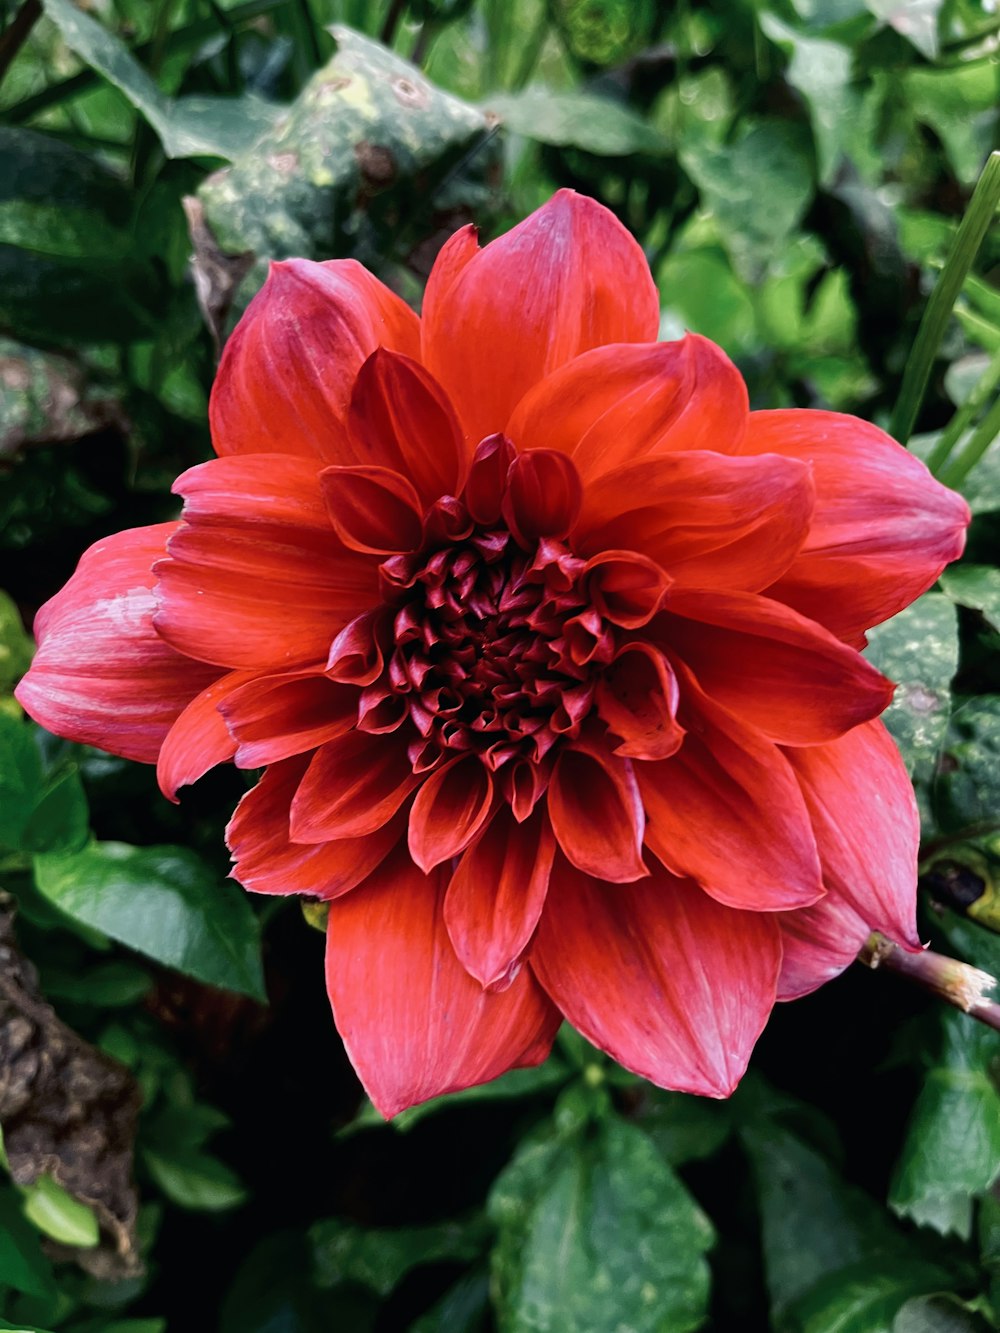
x=286 y=375
x=637 y=697
x=267 y=861
x=760 y=853
x=102 y=675
x=596 y=812
x=199 y=739
x=543 y=496
x=864 y=814
x=373 y=509
x=457 y=251
x=414 y=1023
x=401 y=418
x=818 y=943
x=707 y=519
x=626 y=588
x=783 y=674
x=487 y=480
x=883 y=528
x=669 y=982
x=257 y=577
x=270 y=718
x=532 y=300
x=496 y=896
x=448 y=811
x=354 y=785
x=615 y=405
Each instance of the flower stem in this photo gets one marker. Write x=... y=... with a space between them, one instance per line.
x=955 y=982
x=978 y=216
x=975 y=446
x=949 y=437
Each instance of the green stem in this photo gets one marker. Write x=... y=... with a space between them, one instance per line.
x=978 y=216
x=975 y=446
x=959 y=423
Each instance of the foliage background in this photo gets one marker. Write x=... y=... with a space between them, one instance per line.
x=796 y=171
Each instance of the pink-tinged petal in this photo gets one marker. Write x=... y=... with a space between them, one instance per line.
x=449 y=810
x=487 y=481
x=414 y=1022
x=568 y=278
x=596 y=812
x=199 y=739
x=357 y=655
x=708 y=520
x=783 y=674
x=637 y=697
x=273 y=717
x=726 y=810
x=670 y=983
x=626 y=588
x=616 y=405
x=496 y=896
x=373 y=509
x=353 y=786
x=102 y=675
x=867 y=828
x=267 y=861
x=257 y=577
x=543 y=496
x=818 y=943
x=287 y=372
x=401 y=418
x=883 y=528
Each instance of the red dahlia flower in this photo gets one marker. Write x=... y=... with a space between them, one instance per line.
x=549 y=648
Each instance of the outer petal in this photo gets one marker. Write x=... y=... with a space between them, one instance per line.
x=707 y=519
x=102 y=675
x=795 y=682
x=414 y=1022
x=266 y=859
x=883 y=528
x=272 y=717
x=496 y=896
x=286 y=374
x=257 y=576
x=353 y=786
x=616 y=405
x=667 y=981
x=568 y=278
x=726 y=810
x=818 y=943
x=199 y=739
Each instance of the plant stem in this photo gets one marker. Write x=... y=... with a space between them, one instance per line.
x=949 y=437
x=978 y=216
x=975 y=446
x=955 y=982
x=396 y=10
x=16 y=35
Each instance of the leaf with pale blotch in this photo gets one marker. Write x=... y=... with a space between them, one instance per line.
x=966 y=790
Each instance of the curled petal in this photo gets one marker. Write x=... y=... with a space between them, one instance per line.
x=496 y=896
x=199 y=739
x=273 y=717
x=414 y=1022
x=615 y=405
x=626 y=588
x=543 y=496
x=669 y=982
x=102 y=675
x=883 y=528
x=532 y=300
x=638 y=698
x=353 y=785
x=401 y=418
x=373 y=509
x=487 y=480
x=357 y=655
x=706 y=519
x=268 y=861
x=596 y=812
x=781 y=673
x=760 y=851
x=448 y=811
x=286 y=375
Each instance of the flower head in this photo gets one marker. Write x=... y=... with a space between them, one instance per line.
x=549 y=649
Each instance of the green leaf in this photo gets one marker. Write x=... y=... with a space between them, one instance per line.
x=163 y=902
x=195 y=1180
x=916 y=20
x=577 y=120
x=951 y=1152
x=60 y=822
x=20 y=779
x=938 y=1314
x=596 y=1232
x=683 y=1128
x=103 y=985
x=918 y=650
x=55 y=1212
x=380 y=1258
x=960 y=104
x=16 y=647
x=864 y=1298
x=186 y=126
x=977 y=586
x=966 y=788
x=23 y=1265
